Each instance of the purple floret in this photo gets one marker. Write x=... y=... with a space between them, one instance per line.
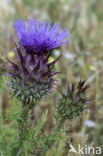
x=40 y=37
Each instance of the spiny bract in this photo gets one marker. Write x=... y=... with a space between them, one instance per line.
x=73 y=102
x=32 y=76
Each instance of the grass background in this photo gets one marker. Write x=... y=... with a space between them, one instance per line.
x=82 y=58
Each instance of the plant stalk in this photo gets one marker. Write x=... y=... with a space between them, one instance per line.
x=49 y=143
x=22 y=131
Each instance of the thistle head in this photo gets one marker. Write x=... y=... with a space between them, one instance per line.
x=32 y=76
x=73 y=102
x=39 y=37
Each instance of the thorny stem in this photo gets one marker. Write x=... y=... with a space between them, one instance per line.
x=49 y=143
x=24 y=117
x=22 y=130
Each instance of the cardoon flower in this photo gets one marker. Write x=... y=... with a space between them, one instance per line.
x=73 y=102
x=32 y=76
x=38 y=37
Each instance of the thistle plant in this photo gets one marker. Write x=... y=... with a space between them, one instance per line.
x=72 y=103
x=32 y=74
x=32 y=80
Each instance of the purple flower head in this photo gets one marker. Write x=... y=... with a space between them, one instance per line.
x=37 y=37
x=32 y=76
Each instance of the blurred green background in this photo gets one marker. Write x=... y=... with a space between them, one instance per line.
x=82 y=58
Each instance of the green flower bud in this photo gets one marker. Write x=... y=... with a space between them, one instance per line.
x=73 y=102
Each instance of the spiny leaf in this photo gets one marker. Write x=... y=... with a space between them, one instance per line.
x=40 y=125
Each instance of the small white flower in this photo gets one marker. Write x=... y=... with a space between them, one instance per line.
x=90 y=123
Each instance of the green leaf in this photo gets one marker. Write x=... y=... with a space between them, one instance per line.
x=40 y=125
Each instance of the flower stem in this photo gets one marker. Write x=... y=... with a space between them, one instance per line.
x=49 y=143
x=22 y=131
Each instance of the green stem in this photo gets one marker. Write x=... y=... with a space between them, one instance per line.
x=22 y=131
x=23 y=124
x=48 y=144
